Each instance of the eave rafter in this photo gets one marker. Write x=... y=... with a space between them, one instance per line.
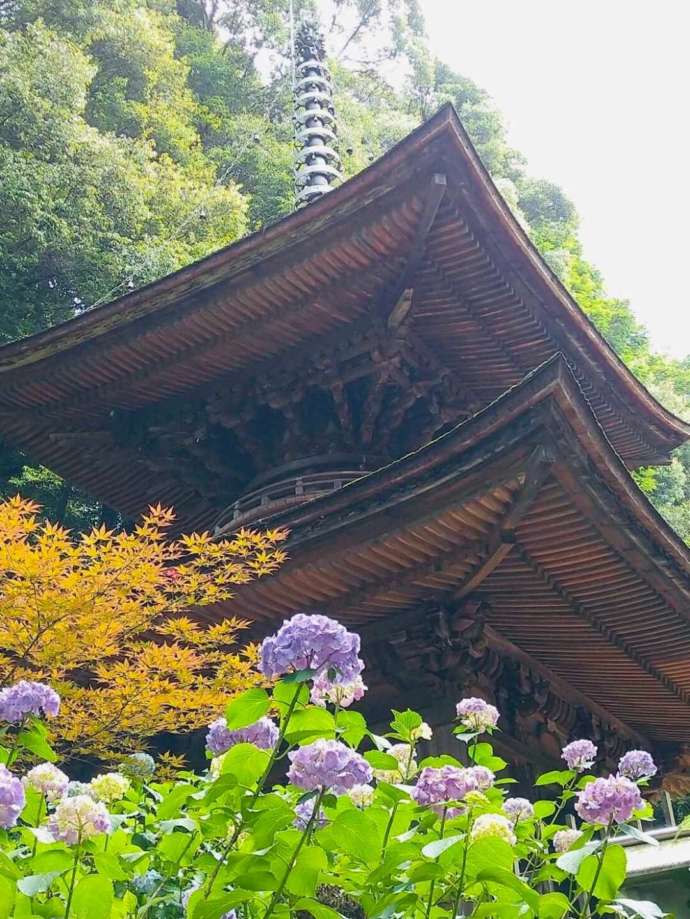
x=581 y=611
x=487 y=554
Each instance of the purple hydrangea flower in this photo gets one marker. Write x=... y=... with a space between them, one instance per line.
x=579 y=755
x=304 y=813
x=518 y=809
x=12 y=798
x=637 y=764
x=328 y=764
x=483 y=777
x=440 y=785
x=26 y=698
x=263 y=734
x=477 y=714
x=609 y=800
x=312 y=643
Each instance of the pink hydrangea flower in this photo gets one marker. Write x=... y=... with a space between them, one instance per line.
x=611 y=800
x=579 y=755
x=637 y=764
x=476 y=714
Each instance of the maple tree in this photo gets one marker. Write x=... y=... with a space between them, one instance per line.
x=101 y=616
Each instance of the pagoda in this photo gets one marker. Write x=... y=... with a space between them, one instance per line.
x=394 y=374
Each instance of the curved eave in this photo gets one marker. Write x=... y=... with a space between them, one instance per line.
x=551 y=384
x=442 y=141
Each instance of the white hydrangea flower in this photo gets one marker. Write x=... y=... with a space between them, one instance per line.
x=404 y=754
x=47 y=780
x=110 y=786
x=495 y=825
x=423 y=732
x=361 y=795
x=79 y=818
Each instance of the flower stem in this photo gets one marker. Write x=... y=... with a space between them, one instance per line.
x=39 y=817
x=389 y=827
x=461 y=882
x=600 y=864
x=255 y=794
x=298 y=848
x=70 y=893
x=433 y=882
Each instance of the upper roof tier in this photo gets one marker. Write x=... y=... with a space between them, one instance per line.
x=421 y=238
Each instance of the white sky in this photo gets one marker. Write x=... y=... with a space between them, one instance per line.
x=596 y=94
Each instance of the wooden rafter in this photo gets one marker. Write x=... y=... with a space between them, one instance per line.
x=581 y=611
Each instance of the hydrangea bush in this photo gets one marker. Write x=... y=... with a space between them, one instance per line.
x=304 y=811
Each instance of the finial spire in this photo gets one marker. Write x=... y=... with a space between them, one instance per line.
x=316 y=161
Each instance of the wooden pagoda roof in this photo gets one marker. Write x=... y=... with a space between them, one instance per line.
x=424 y=219
x=525 y=506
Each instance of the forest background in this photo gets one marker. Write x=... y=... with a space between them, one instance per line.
x=139 y=135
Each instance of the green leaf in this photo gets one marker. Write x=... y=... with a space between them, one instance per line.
x=404 y=723
x=299 y=676
x=438 y=846
x=570 y=861
x=8 y=868
x=611 y=875
x=354 y=833
x=553 y=906
x=380 y=760
x=245 y=763
x=557 y=777
x=52 y=860
x=7 y=897
x=631 y=830
x=216 y=906
x=351 y=727
x=33 y=739
x=641 y=909
x=93 y=898
x=316 y=909
x=247 y=708
x=305 y=875
x=310 y=724
x=506 y=878
x=544 y=809
x=181 y=823
x=108 y=866
x=37 y=883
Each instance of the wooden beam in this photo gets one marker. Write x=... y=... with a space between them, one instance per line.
x=537 y=471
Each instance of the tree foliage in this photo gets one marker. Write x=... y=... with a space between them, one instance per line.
x=139 y=135
x=102 y=617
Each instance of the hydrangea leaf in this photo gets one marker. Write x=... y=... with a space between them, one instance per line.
x=556 y=777
x=93 y=898
x=310 y=724
x=316 y=909
x=611 y=875
x=506 y=878
x=247 y=708
x=33 y=884
x=305 y=875
x=439 y=846
x=570 y=861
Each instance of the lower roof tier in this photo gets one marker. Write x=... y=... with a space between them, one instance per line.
x=527 y=509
